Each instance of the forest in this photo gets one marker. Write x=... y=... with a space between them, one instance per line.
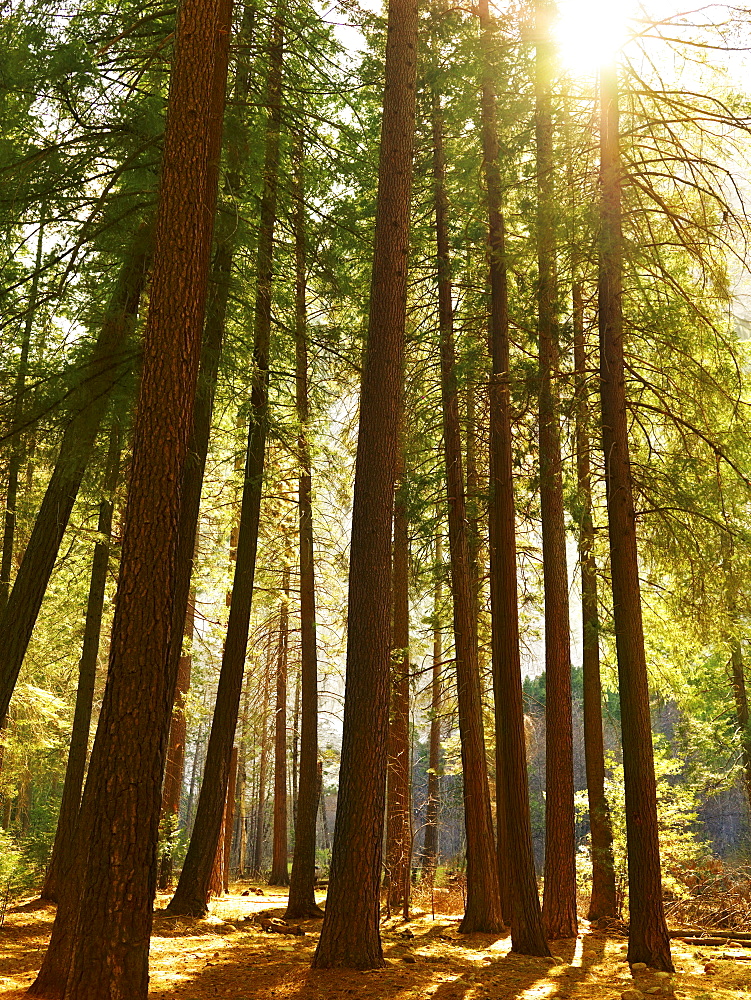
x=375 y=470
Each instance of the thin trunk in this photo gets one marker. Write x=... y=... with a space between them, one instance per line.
x=397 y=794
x=737 y=667
x=483 y=906
x=100 y=941
x=79 y=741
x=242 y=780
x=603 y=899
x=350 y=935
x=473 y=495
x=430 y=844
x=518 y=879
x=648 y=936
x=261 y=813
x=193 y=781
x=295 y=752
x=17 y=449
x=108 y=360
x=279 y=870
x=559 y=895
x=229 y=816
x=192 y=892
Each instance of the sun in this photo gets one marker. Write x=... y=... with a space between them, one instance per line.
x=589 y=33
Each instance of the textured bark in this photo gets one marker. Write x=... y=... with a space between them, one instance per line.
x=111 y=922
x=429 y=859
x=559 y=895
x=279 y=871
x=192 y=892
x=108 y=360
x=603 y=901
x=229 y=816
x=483 y=906
x=350 y=936
x=518 y=881
x=301 y=902
x=648 y=936
x=62 y=847
x=261 y=811
x=17 y=449
x=398 y=805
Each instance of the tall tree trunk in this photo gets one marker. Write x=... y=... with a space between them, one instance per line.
x=261 y=812
x=516 y=857
x=295 y=751
x=17 y=449
x=483 y=908
x=279 y=871
x=107 y=362
x=192 y=892
x=79 y=740
x=648 y=936
x=473 y=495
x=301 y=902
x=194 y=772
x=229 y=816
x=398 y=805
x=603 y=899
x=242 y=777
x=175 y=764
x=350 y=935
x=430 y=844
x=559 y=895
x=108 y=923
x=737 y=667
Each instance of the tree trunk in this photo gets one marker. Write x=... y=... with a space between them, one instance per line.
x=648 y=936
x=175 y=764
x=17 y=450
x=301 y=902
x=398 y=806
x=229 y=817
x=192 y=892
x=261 y=813
x=430 y=844
x=603 y=899
x=79 y=740
x=518 y=881
x=559 y=895
x=242 y=840
x=107 y=362
x=350 y=935
x=483 y=907
x=108 y=924
x=279 y=871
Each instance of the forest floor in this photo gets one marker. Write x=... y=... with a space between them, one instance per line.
x=228 y=955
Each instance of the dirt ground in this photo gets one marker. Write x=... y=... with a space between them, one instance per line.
x=228 y=955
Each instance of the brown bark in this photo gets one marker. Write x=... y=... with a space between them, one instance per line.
x=648 y=935
x=175 y=764
x=559 y=895
x=279 y=871
x=229 y=816
x=603 y=901
x=429 y=859
x=17 y=449
x=62 y=847
x=350 y=936
x=483 y=906
x=107 y=362
x=301 y=902
x=242 y=778
x=516 y=858
x=109 y=924
x=192 y=892
x=261 y=811
x=398 y=806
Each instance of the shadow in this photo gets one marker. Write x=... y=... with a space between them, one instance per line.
x=33 y=906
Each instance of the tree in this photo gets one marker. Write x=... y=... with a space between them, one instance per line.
x=349 y=936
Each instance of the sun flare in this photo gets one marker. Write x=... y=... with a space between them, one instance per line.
x=589 y=33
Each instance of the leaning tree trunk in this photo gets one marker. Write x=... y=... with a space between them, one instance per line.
x=350 y=936
x=559 y=895
x=279 y=871
x=108 y=925
x=109 y=359
x=62 y=847
x=192 y=892
x=301 y=902
x=648 y=935
x=398 y=806
x=17 y=449
x=483 y=906
x=429 y=859
x=603 y=901
x=516 y=857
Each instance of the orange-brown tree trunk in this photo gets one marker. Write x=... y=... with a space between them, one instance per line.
x=516 y=857
x=648 y=936
x=279 y=870
x=429 y=859
x=349 y=935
